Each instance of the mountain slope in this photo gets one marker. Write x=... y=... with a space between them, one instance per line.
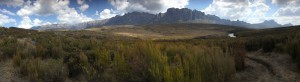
x=172 y=16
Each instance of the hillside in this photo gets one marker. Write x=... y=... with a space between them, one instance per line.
x=172 y=16
x=270 y=31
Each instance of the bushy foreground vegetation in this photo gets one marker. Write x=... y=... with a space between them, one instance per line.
x=282 y=40
x=52 y=57
x=61 y=56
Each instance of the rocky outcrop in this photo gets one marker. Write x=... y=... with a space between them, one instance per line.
x=173 y=15
x=78 y=26
x=287 y=25
x=134 y=18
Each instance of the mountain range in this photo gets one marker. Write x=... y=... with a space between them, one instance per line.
x=172 y=16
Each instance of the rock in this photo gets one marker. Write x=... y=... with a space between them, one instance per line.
x=173 y=15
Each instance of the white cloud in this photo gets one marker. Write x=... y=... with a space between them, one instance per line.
x=47 y=23
x=27 y=23
x=5 y=19
x=4 y=11
x=84 y=7
x=150 y=6
x=287 y=7
x=289 y=11
x=80 y=2
x=259 y=9
x=119 y=4
x=61 y=8
x=37 y=22
x=43 y=7
x=250 y=11
x=106 y=13
x=71 y=16
x=13 y=3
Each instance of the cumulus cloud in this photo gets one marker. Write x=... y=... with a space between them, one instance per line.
x=288 y=12
x=43 y=7
x=83 y=5
x=71 y=16
x=106 y=13
x=287 y=7
x=61 y=8
x=80 y=2
x=259 y=10
x=4 y=11
x=285 y=2
x=250 y=11
x=150 y=6
x=229 y=9
x=13 y=3
x=27 y=23
x=5 y=19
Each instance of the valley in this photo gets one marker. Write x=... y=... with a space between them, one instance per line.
x=168 y=31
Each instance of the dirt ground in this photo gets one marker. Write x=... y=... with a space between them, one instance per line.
x=8 y=73
x=268 y=67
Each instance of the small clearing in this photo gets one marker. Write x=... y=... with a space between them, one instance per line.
x=268 y=67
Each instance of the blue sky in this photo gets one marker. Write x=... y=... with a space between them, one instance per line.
x=28 y=13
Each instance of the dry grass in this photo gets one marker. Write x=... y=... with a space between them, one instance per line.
x=167 y=31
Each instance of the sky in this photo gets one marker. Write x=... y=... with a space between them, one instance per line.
x=29 y=13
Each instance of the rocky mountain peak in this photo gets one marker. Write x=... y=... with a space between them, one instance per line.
x=173 y=15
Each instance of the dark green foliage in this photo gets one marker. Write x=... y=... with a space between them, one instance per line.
x=237 y=50
x=292 y=47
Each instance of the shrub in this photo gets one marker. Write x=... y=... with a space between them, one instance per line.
x=50 y=70
x=9 y=47
x=17 y=60
x=237 y=50
x=78 y=64
x=293 y=49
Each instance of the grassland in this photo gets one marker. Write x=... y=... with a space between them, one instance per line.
x=167 y=31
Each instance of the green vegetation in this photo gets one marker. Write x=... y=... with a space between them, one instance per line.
x=282 y=40
x=53 y=56
x=57 y=56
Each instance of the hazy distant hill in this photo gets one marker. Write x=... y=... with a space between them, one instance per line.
x=173 y=15
x=78 y=26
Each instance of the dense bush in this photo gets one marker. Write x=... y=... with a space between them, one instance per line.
x=49 y=70
x=282 y=40
x=55 y=57
x=292 y=47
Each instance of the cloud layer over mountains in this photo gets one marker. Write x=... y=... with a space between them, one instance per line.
x=150 y=6
x=252 y=11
